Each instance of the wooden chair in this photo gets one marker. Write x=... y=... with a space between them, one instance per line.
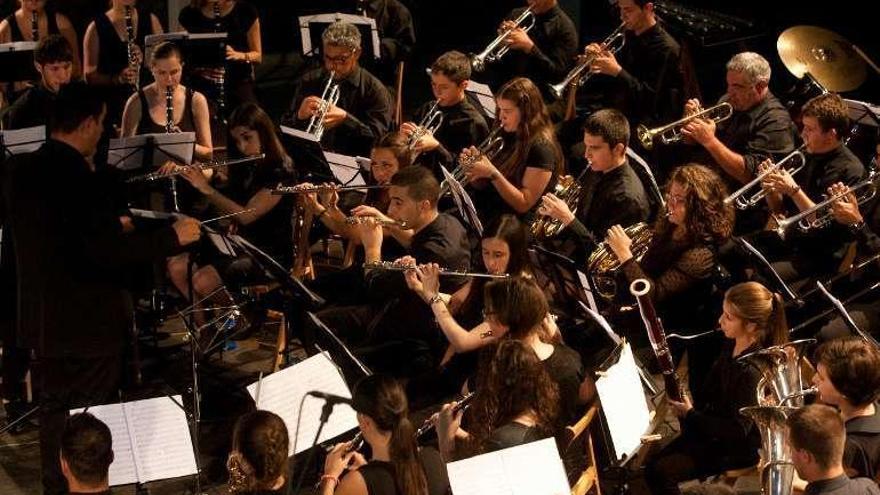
x=578 y=435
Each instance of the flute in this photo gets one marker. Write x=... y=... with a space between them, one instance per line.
x=321 y=188
x=201 y=166
x=400 y=224
x=391 y=266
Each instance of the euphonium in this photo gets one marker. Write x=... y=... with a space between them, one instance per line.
x=329 y=97
x=498 y=48
x=602 y=264
x=781 y=383
x=671 y=133
x=432 y=121
x=133 y=62
x=581 y=72
x=743 y=202
x=775 y=468
x=567 y=189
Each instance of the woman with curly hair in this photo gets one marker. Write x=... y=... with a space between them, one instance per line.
x=681 y=258
x=516 y=402
x=397 y=465
x=257 y=464
x=530 y=161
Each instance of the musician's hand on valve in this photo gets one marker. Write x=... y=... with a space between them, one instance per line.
x=369 y=211
x=127 y=224
x=606 y=63
x=429 y=275
x=846 y=209
x=234 y=55
x=519 y=40
x=338 y=460
x=334 y=117
x=701 y=131
x=620 y=243
x=309 y=200
x=481 y=168
x=691 y=107
x=556 y=208
x=427 y=143
x=681 y=408
x=370 y=234
x=781 y=182
x=188 y=230
x=308 y=107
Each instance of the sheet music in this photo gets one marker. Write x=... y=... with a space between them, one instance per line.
x=221 y=244
x=462 y=201
x=151 y=440
x=345 y=168
x=18 y=46
x=306 y=20
x=484 y=96
x=530 y=469
x=282 y=391
x=861 y=112
x=588 y=291
x=122 y=469
x=624 y=404
x=151 y=214
x=26 y=140
x=290 y=131
x=364 y=163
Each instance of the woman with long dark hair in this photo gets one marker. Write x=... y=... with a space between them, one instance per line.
x=714 y=436
x=530 y=162
x=397 y=465
x=257 y=464
x=516 y=402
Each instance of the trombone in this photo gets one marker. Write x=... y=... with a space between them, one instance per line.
x=329 y=97
x=497 y=48
x=820 y=215
x=429 y=125
x=744 y=202
x=581 y=73
x=671 y=133
x=399 y=267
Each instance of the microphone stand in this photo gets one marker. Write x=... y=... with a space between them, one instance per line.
x=326 y=410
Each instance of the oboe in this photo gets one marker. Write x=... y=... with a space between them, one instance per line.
x=640 y=288
x=133 y=62
x=397 y=267
x=35 y=26
x=221 y=83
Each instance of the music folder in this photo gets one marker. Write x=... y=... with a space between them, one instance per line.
x=17 y=61
x=311 y=27
x=151 y=440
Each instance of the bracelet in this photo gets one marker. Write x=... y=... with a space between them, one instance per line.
x=328 y=477
x=436 y=299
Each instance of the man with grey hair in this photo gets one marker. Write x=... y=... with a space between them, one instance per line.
x=362 y=114
x=759 y=127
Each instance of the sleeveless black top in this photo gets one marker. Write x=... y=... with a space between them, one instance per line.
x=148 y=126
x=113 y=55
x=17 y=35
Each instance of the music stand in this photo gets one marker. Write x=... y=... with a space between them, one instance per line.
x=481 y=95
x=17 y=61
x=462 y=201
x=19 y=141
x=152 y=151
x=307 y=153
x=863 y=113
x=763 y=263
x=347 y=170
x=198 y=49
x=311 y=27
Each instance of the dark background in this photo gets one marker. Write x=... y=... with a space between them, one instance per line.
x=468 y=25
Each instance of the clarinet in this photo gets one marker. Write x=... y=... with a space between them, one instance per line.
x=640 y=288
x=129 y=46
x=169 y=128
x=35 y=26
x=221 y=89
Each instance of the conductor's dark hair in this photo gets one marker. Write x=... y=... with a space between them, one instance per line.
x=87 y=447
x=53 y=49
x=75 y=103
x=420 y=183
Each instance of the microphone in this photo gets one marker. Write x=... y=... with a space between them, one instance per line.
x=329 y=398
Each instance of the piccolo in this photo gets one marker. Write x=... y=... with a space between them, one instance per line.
x=322 y=188
x=391 y=266
x=358 y=220
x=199 y=166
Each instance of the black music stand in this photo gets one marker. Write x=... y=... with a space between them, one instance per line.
x=311 y=27
x=150 y=151
x=19 y=141
x=17 y=61
x=308 y=155
x=767 y=267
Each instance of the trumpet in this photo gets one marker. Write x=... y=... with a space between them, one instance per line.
x=581 y=72
x=359 y=220
x=322 y=188
x=743 y=202
x=429 y=125
x=671 y=133
x=399 y=267
x=133 y=62
x=497 y=48
x=819 y=216
x=200 y=166
x=35 y=26
x=490 y=147
x=329 y=97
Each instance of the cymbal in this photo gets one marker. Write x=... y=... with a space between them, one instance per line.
x=827 y=56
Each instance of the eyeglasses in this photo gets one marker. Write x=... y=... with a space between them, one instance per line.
x=338 y=60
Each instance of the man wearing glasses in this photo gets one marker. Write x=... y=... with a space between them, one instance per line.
x=363 y=112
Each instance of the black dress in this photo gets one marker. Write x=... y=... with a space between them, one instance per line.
x=15 y=30
x=379 y=475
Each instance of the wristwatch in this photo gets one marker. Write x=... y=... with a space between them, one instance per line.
x=436 y=299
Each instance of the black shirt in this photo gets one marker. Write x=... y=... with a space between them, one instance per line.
x=235 y=24
x=149 y=126
x=556 y=46
x=15 y=30
x=615 y=197
x=861 y=452
x=463 y=126
x=842 y=485
x=379 y=475
x=397 y=36
x=30 y=109
x=566 y=369
x=362 y=96
x=70 y=254
x=511 y=435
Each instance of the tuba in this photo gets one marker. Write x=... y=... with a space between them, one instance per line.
x=567 y=189
x=781 y=383
x=602 y=264
x=775 y=468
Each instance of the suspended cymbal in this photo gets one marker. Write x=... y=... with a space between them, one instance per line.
x=826 y=55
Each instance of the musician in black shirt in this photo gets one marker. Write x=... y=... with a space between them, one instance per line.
x=544 y=54
x=33 y=17
x=397 y=36
x=53 y=59
x=611 y=192
x=463 y=125
x=363 y=112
